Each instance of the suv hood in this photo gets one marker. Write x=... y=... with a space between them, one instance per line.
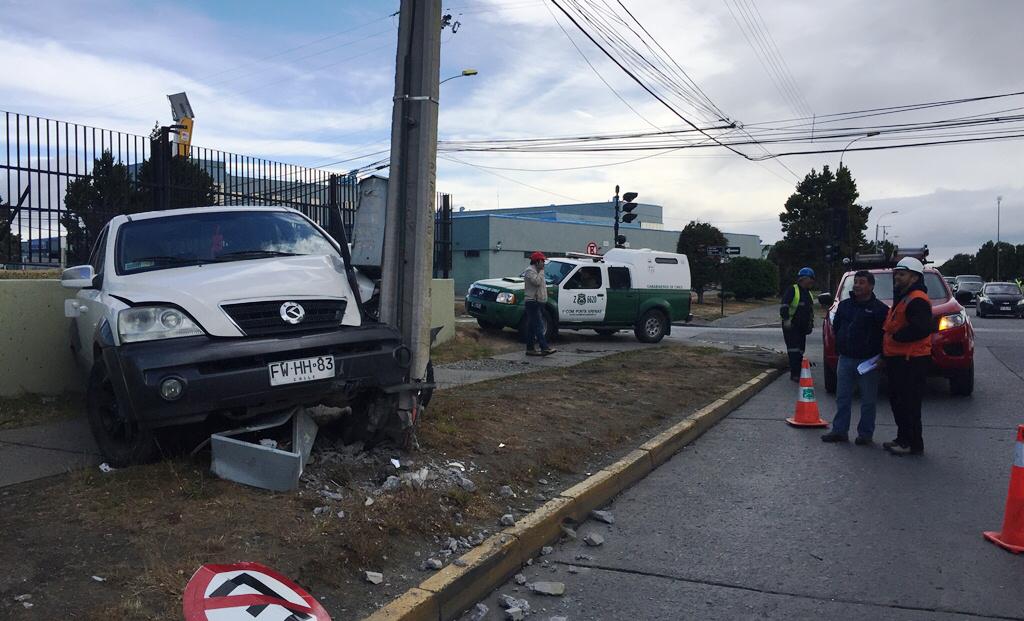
x=201 y=289
x=511 y=283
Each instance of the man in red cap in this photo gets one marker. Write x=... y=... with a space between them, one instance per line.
x=535 y=292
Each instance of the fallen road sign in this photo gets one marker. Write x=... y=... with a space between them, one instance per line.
x=247 y=591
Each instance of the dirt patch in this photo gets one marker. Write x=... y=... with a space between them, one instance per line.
x=145 y=530
x=711 y=309
x=470 y=343
x=28 y=410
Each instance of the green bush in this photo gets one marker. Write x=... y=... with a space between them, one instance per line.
x=751 y=278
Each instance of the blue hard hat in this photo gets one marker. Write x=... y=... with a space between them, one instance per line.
x=805 y=272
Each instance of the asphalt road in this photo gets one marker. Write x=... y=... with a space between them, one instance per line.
x=760 y=520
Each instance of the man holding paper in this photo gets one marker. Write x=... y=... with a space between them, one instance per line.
x=858 y=331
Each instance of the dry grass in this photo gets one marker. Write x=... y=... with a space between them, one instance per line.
x=470 y=342
x=711 y=309
x=30 y=274
x=147 y=529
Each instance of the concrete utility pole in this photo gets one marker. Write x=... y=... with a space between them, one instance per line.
x=409 y=233
x=999 y=205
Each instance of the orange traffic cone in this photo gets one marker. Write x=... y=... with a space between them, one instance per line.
x=1012 y=535
x=806 y=407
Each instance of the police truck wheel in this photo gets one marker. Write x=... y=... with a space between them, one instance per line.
x=119 y=437
x=651 y=327
x=830 y=380
x=961 y=383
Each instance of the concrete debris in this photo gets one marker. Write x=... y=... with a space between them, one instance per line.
x=432 y=563
x=569 y=532
x=99 y=579
x=479 y=612
x=593 y=539
x=508 y=602
x=369 y=501
x=391 y=484
x=23 y=598
x=574 y=569
x=460 y=563
x=27 y=604
x=546 y=550
x=540 y=497
x=467 y=484
x=105 y=468
x=268 y=442
x=452 y=544
x=341 y=515
x=505 y=491
x=396 y=463
x=329 y=495
x=456 y=465
x=603 y=516
x=542 y=481
x=548 y=588
x=508 y=520
x=321 y=510
x=416 y=479
x=529 y=562
x=584 y=557
x=515 y=614
x=520 y=579
x=476 y=540
x=373 y=577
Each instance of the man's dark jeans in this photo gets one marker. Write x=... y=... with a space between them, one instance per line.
x=796 y=344
x=535 y=325
x=907 y=380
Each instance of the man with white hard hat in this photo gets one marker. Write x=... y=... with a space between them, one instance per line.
x=907 y=346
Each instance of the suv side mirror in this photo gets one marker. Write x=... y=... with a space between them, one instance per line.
x=825 y=299
x=78 y=277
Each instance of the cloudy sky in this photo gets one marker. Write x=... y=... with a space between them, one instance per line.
x=312 y=84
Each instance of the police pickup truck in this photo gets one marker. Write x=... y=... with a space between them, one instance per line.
x=645 y=290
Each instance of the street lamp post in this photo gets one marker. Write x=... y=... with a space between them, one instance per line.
x=867 y=135
x=465 y=74
x=877 y=222
x=999 y=204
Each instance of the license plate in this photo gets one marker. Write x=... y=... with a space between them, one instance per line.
x=1006 y=307
x=303 y=370
x=476 y=306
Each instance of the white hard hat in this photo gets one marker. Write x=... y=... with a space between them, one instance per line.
x=911 y=264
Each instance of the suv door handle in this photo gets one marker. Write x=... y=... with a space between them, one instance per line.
x=600 y=295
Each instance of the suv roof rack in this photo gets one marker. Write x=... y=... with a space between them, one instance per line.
x=879 y=260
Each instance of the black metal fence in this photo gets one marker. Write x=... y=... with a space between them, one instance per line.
x=443 y=237
x=60 y=182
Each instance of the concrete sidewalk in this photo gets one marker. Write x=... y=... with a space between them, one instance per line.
x=55 y=448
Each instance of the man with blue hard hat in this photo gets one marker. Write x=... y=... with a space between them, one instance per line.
x=797 y=312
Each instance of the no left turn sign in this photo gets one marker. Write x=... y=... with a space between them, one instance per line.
x=247 y=592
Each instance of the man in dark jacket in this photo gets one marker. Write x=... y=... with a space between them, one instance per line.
x=797 y=311
x=907 y=346
x=858 y=331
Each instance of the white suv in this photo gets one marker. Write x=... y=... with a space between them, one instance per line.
x=233 y=311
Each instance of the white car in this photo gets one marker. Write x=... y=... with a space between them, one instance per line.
x=227 y=311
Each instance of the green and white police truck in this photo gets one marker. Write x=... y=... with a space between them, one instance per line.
x=645 y=290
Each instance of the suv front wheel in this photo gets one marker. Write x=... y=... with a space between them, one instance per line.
x=121 y=441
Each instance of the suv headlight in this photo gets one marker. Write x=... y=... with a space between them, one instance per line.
x=150 y=323
x=506 y=298
x=948 y=322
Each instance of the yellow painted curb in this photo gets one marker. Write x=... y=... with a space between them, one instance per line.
x=452 y=590
x=457 y=588
x=413 y=605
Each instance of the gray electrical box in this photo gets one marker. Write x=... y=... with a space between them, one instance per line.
x=368 y=229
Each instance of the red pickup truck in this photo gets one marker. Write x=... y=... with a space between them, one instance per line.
x=952 y=340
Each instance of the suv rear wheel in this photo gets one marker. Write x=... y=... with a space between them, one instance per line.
x=119 y=437
x=961 y=383
x=651 y=327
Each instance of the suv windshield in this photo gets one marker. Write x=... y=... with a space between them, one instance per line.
x=555 y=271
x=1002 y=289
x=215 y=237
x=883 y=286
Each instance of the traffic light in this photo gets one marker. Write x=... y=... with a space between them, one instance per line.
x=628 y=207
x=620 y=241
x=623 y=213
x=830 y=253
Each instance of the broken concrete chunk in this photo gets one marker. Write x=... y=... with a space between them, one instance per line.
x=459 y=563
x=369 y=501
x=603 y=516
x=341 y=515
x=391 y=484
x=546 y=550
x=373 y=577
x=520 y=579
x=467 y=484
x=569 y=532
x=542 y=481
x=515 y=614
x=548 y=588
x=432 y=563
x=23 y=598
x=321 y=510
x=329 y=495
x=506 y=491
x=479 y=612
x=508 y=520
x=593 y=539
x=507 y=602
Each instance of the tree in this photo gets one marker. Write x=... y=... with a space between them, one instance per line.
x=10 y=244
x=694 y=240
x=823 y=210
x=985 y=261
x=113 y=189
x=959 y=264
x=749 y=278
